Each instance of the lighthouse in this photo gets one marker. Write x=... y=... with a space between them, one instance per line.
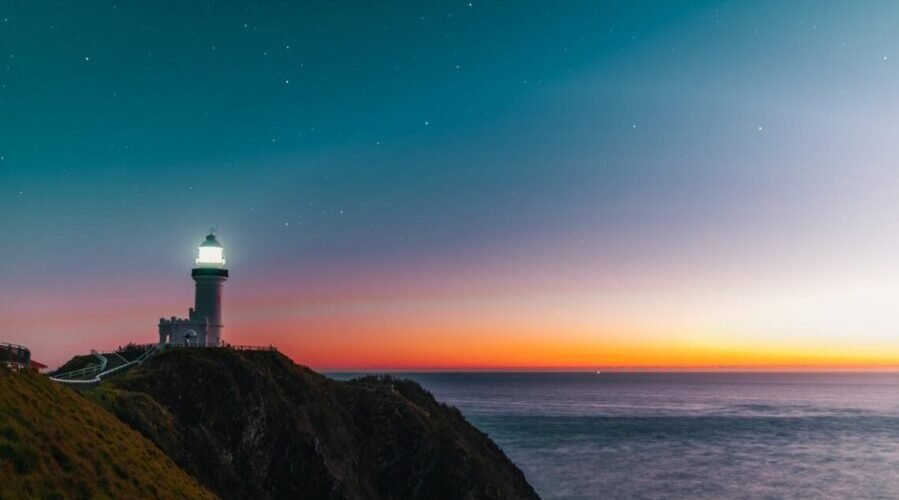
x=210 y=276
x=203 y=325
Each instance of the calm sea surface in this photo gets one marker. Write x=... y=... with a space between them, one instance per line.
x=614 y=435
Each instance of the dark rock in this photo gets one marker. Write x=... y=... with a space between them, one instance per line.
x=255 y=425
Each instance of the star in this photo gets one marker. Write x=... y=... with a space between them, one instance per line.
x=87 y=58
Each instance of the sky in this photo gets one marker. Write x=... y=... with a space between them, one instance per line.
x=454 y=185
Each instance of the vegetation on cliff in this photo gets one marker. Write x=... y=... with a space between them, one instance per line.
x=256 y=425
x=55 y=443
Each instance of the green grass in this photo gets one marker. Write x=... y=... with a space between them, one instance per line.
x=55 y=443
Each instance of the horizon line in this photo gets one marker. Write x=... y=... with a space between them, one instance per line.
x=618 y=370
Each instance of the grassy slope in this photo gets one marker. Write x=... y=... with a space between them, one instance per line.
x=55 y=443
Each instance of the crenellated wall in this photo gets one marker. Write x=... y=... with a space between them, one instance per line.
x=192 y=330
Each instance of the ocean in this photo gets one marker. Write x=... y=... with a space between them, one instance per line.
x=687 y=435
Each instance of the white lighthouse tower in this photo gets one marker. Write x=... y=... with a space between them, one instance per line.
x=210 y=276
x=203 y=325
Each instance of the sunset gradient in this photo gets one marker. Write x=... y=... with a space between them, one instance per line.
x=576 y=185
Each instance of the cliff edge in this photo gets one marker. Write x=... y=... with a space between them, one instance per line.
x=252 y=424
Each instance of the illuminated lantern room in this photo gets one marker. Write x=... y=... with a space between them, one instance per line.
x=211 y=253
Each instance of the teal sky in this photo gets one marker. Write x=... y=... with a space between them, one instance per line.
x=720 y=172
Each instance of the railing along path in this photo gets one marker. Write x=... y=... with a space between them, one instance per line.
x=99 y=371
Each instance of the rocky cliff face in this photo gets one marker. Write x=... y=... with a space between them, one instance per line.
x=255 y=425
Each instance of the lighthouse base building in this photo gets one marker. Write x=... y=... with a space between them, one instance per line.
x=190 y=331
x=203 y=325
